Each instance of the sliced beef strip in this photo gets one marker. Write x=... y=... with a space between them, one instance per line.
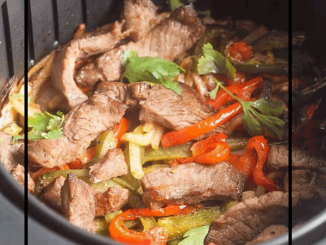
x=245 y=220
x=191 y=183
x=278 y=157
x=166 y=108
x=10 y=155
x=111 y=200
x=269 y=233
x=140 y=17
x=303 y=160
x=62 y=73
x=113 y=164
x=82 y=125
x=167 y=40
x=18 y=173
x=129 y=94
x=51 y=194
x=78 y=203
x=306 y=183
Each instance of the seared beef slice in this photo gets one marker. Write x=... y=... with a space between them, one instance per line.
x=112 y=165
x=191 y=183
x=111 y=200
x=78 y=203
x=245 y=220
x=306 y=183
x=167 y=108
x=269 y=233
x=9 y=152
x=18 y=173
x=51 y=194
x=82 y=125
x=172 y=37
x=91 y=43
x=140 y=17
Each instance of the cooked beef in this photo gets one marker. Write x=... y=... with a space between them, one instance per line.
x=170 y=38
x=82 y=125
x=140 y=17
x=245 y=220
x=9 y=154
x=278 y=157
x=303 y=160
x=18 y=173
x=51 y=194
x=166 y=108
x=62 y=73
x=307 y=184
x=111 y=200
x=78 y=203
x=269 y=233
x=113 y=164
x=129 y=94
x=191 y=183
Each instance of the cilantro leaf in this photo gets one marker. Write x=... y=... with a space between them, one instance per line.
x=17 y=137
x=195 y=236
x=213 y=61
x=213 y=93
x=45 y=126
x=151 y=69
x=260 y=116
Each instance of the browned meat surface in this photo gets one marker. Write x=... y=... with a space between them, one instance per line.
x=140 y=17
x=62 y=73
x=82 y=125
x=129 y=94
x=18 y=173
x=167 y=40
x=191 y=183
x=9 y=154
x=78 y=203
x=269 y=233
x=111 y=200
x=245 y=220
x=278 y=157
x=51 y=194
x=303 y=160
x=165 y=107
x=307 y=184
x=113 y=164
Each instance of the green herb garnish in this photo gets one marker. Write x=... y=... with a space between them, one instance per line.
x=195 y=236
x=45 y=126
x=151 y=69
x=213 y=61
x=260 y=116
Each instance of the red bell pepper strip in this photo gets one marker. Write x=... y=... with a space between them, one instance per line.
x=153 y=236
x=248 y=164
x=183 y=135
x=240 y=51
x=208 y=151
x=121 y=129
x=207 y=144
x=217 y=155
x=242 y=91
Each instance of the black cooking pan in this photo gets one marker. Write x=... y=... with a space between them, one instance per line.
x=52 y=22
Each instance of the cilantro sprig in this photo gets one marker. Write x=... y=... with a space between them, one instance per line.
x=150 y=69
x=45 y=125
x=195 y=236
x=260 y=116
x=213 y=61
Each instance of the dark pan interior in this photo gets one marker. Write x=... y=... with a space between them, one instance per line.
x=52 y=22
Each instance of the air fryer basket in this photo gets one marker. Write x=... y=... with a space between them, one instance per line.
x=52 y=22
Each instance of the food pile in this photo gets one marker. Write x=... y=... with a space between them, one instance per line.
x=163 y=128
